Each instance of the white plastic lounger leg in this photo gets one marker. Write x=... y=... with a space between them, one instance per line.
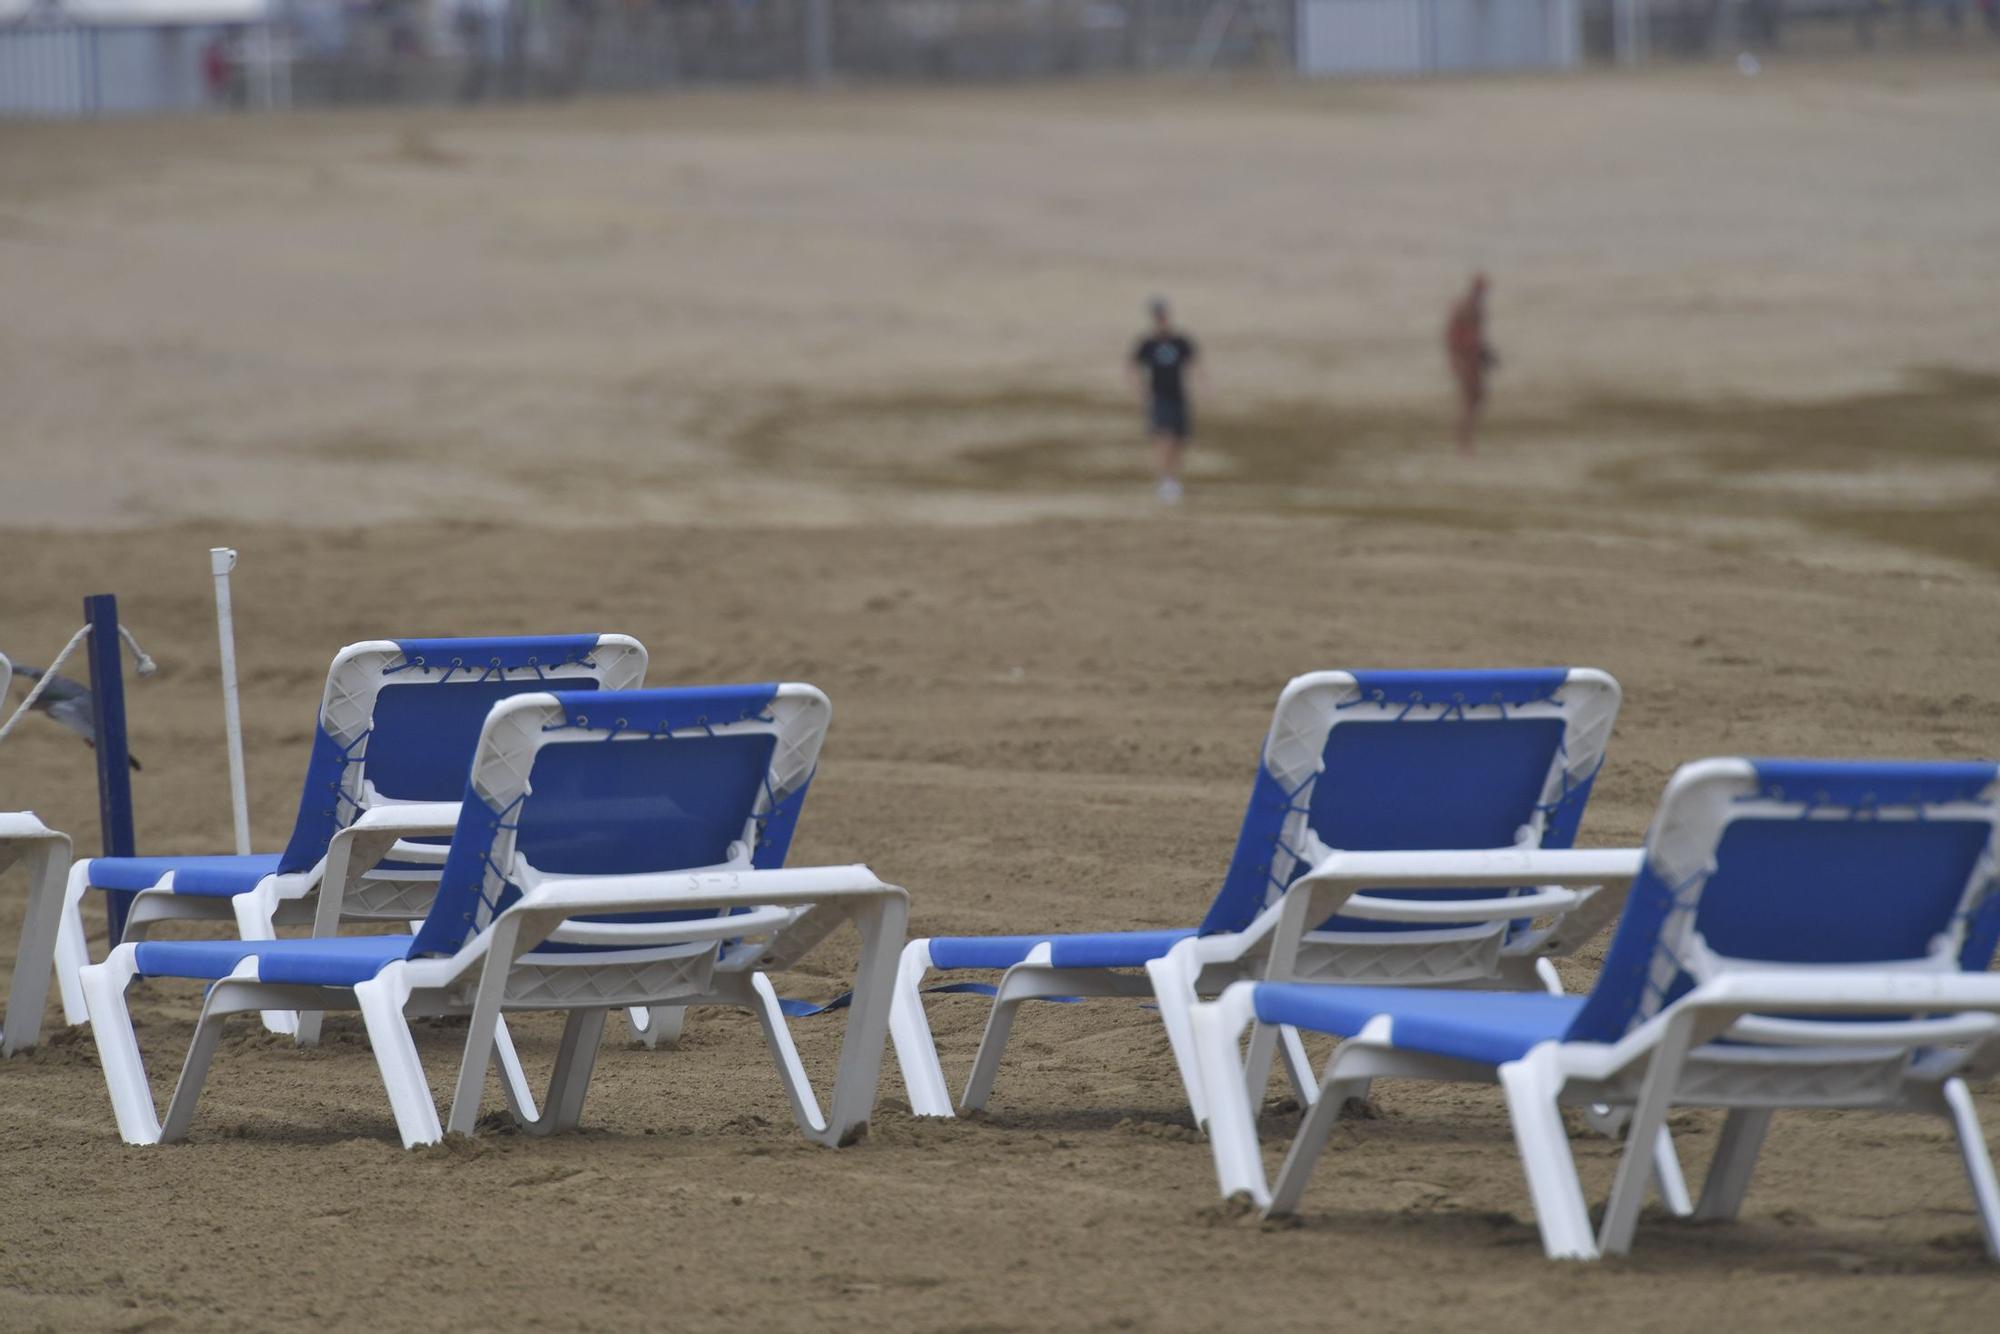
x=1735 y=1159
x=221 y=1002
x=1298 y=1067
x=657 y=1025
x=1978 y=1162
x=1637 y=1164
x=1353 y=1067
x=1259 y=1057
x=1531 y=1085
x=1023 y=982
x=1173 y=979
x=1668 y=1178
x=381 y=999
x=1232 y=1121
x=881 y=925
x=103 y=986
x=254 y=912
x=513 y=1079
x=72 y=946
x=576 y=1059
x=791 y=1071
x=36 y=955
x=482 y=1028
x=916 y=1050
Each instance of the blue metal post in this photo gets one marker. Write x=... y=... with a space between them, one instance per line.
x=114 y=763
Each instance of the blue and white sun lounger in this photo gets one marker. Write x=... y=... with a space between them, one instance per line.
x=397 y=723
x=1801 y=934
x=1353 y=760
x=613 y=849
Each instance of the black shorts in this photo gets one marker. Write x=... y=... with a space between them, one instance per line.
x=1170 y=416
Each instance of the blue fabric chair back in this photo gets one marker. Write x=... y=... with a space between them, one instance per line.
x=625 y=783
x=1415 y=761
x=419 y=722
x=1799 y=862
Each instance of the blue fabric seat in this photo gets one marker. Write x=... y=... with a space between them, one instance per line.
x=332 y=961
x=1093 y=949
x=213 y=877
x=1491 y=1026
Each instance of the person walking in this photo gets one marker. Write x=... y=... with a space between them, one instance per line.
x=1471 y=358
x=1162 y=362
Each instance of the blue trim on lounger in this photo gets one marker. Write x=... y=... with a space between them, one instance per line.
x=1493 y=1027
x=1868 y=784
x=338 y=961
x=1095 y=949
x=496 y=654
x=217 y=877
x=1468 y=689
x=658 y=712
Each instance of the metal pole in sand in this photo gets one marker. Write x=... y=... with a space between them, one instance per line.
x=221 y=560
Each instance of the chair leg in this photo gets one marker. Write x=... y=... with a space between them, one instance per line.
x=103 y=986
x=1261 y=1052
x=513 y=1079
x=36 y=956
x=215 y=1011
x=576 y=1059
x=910 y=1030
x=1978 y=1161
x=381 y=1000
x=1232 y=1120
x=858 y=1075
x=1017 y=985
x=1532 y=1085
x=791 y=1071
x=1298 y=1067
x=1735 y=1159
x=657 y=1025
x=72 y=946
x=1173 y=979
x=1668 y=1178
x=1319 y=1121
x=254 y=912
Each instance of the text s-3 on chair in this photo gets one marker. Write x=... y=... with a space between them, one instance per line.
x=397 y=724
x=1802 y=934
x=44 y=855
x=613 y=849
x=1369 y=760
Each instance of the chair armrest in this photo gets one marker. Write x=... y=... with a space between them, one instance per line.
x=408 y=817
x=1330 y=887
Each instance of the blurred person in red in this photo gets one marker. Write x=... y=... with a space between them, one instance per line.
x=1471 y=358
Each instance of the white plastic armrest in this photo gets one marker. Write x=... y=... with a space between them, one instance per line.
x=409 y=817
x=1371 y=909
x=1475 y=868
x=681 y=890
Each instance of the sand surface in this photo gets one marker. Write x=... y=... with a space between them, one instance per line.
x=827 y=388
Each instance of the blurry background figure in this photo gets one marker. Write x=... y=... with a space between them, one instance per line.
x=1472 y=358
x=67 y=702
x=1161 y=363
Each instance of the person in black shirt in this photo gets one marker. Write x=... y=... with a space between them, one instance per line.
x=1162 y=362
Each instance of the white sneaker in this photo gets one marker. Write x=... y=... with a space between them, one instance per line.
x=1169 y=491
